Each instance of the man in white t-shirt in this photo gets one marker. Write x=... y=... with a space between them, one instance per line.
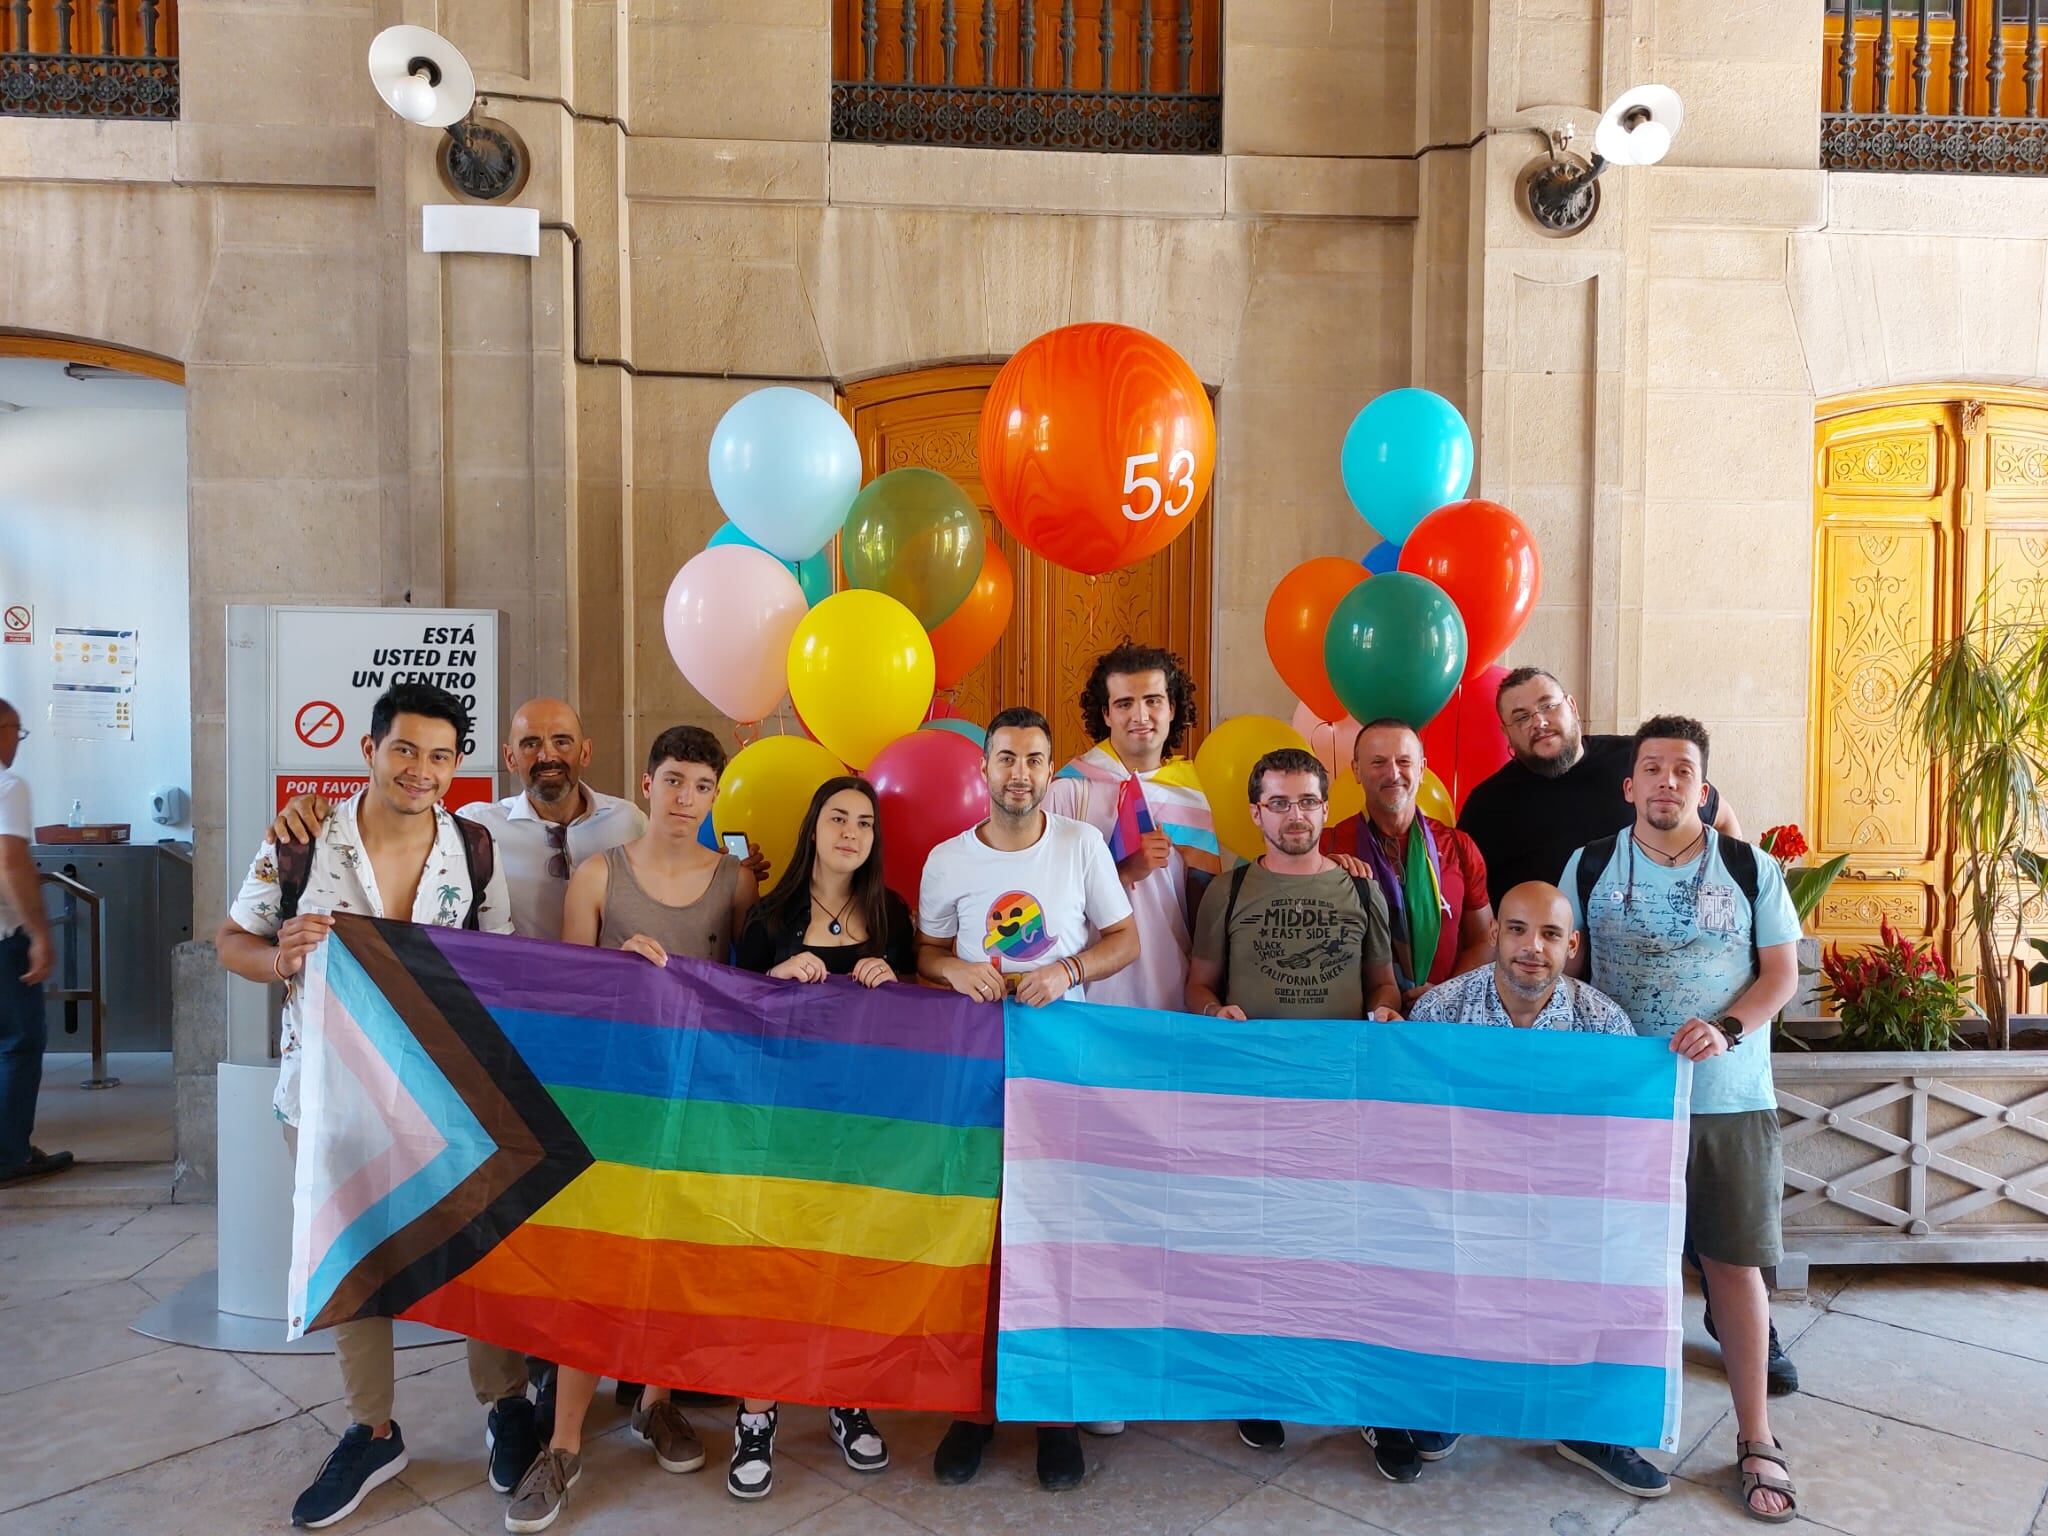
x=25 y=958
x=1026 y=902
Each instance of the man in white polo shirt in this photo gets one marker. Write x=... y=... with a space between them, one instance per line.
x=25 y=958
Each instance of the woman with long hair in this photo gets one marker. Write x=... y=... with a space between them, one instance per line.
x=829 y=915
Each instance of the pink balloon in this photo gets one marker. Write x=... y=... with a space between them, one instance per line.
x=1331 y=741
x=728 y=618
x=930 y=787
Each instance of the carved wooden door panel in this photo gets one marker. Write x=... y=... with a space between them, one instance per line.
x=1061 y=621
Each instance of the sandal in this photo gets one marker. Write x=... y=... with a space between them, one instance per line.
x=1752 y=1481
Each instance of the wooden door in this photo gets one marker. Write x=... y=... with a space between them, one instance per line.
x=1061 y=621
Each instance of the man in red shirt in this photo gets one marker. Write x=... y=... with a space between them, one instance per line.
x=1431 y=874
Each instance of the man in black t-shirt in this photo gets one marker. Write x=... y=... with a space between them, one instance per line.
x=1561 y=791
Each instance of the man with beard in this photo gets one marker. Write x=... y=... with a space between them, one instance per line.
x=1524 y=988
x=1294 y=936
x=1028 y=903
x=1694 y=935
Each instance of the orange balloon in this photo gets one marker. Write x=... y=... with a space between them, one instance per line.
x=1297 y=618
x=1097 y=446
x=970 y=632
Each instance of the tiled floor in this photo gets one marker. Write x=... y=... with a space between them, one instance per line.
x=1926 y=1410
x=121 y=1136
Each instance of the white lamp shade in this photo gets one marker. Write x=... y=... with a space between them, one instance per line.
x=415 y=96
x=1659 y=115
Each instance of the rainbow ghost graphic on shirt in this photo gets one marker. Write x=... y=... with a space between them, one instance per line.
x=1016 y=928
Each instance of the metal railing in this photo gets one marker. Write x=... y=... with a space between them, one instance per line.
x=1934 y=85
x=1111 y=75
x=82 y=901
x=89 y=58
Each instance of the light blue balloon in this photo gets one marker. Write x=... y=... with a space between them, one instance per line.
x=1405 y=455
x=1383 y=557
x=958 y=727
x=814 y=575
x=785 y=467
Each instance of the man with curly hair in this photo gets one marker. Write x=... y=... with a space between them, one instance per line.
x=1135 y=789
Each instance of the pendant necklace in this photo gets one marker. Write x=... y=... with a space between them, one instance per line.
x=832 y=925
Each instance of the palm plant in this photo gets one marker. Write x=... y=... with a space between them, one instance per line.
x=1979 y=707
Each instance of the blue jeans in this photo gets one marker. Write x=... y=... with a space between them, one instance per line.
x=24 y=1031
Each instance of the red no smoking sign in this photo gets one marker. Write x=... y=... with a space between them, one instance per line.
x=318 y=724
x=18 y=624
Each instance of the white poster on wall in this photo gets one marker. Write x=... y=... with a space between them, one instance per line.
x=92 y=683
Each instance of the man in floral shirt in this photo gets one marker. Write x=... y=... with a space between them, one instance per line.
x=390 y=850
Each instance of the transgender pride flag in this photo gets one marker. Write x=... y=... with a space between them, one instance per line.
x=1428 y=1226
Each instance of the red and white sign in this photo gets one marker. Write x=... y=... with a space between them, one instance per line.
x=463 y=789
x=318 y=724
x=18 y=625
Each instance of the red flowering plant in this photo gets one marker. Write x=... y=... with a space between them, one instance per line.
x=1805 y=883
x=1896 y=995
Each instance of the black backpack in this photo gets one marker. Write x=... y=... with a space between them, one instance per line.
x=1359 y=883
x=479 y=853
x=1737 y=856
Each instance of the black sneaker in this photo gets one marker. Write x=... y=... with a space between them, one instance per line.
x=1781 y=1376
x=1262 y=1434
x=858 y=1439
x=1395 y=1453
x=358 y=1464
x=958 y=1457
x=1618 y=1466
x=1433 y=1446
x=512 y=1438
x=752 y=1473
x=1060 y=1462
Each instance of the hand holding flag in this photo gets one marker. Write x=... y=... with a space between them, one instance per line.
x=1135 y=841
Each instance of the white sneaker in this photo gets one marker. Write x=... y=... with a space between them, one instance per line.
x=752 y=1473
x=1105 y=1427
x=858 y=1439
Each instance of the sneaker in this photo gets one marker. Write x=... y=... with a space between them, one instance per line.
x=1395 y=1453
x=1105 y=1428
x=40 y=1165
x=858 y=1439
x=1060 y=1462
x=544 y=1405
x=676 y=1445
x=512 y=1437
x=1781 y=1376
x=1433 y=1446
x=1262 y=1434
x=358 y=1464
x=1618 y=1465
x=543 y=1491
x=958 y=1457
x=752 y=1473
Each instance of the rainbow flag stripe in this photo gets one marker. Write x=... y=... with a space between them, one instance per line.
x=694 y=1177
x=1432 y=1226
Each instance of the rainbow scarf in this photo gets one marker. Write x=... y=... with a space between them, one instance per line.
x=1172 y=796
x=695 y=1177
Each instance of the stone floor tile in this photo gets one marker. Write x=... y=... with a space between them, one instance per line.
x=1873 y=1476
x=187 y=1219
x=1979 y=1394
x=801 y=1432
x=48 y=1253
x=1219 y=1442
x=1486 y=1488
x=1264 y=1511
x=83 y=1428
x=854 y=1516
x=1691 y=1509
x=2041 y=1519
x=313 y=1381
x=1703 y=1404
x=191 y=1258
x=69 y=1334
x=424 y=1520
x=1999 y=1306
x=240 y=1484
x=1137 y=1484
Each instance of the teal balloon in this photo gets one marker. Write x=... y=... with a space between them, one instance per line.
x=814 y=575
x=967 y=728
x=1405 y=455
x=1395 y=648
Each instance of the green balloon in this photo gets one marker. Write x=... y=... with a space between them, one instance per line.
x=917 y=537
x=1395 y=648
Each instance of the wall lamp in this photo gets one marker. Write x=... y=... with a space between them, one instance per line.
x=1561 y=190
x=425 y=79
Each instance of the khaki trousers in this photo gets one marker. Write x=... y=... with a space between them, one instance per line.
x=368 y=1362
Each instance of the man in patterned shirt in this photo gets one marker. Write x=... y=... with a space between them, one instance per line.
x=389 y=850
x=1524 y=988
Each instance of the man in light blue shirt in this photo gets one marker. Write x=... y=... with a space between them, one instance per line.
x=1695 y=938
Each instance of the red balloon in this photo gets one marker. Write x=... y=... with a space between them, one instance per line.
x=1482 y=555
x=1097 y=446
x=929 y=787
x=1465 y=743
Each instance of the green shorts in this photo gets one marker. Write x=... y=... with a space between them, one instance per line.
x=1734 y=1179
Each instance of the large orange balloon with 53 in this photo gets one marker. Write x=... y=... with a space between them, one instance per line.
x=1097 y=446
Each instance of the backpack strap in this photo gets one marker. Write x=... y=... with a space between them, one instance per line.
x=1363 y=886
x=1739 y=859
x=480 y=854
x=294 y=869
x=1593 y=861
x=1230 y=911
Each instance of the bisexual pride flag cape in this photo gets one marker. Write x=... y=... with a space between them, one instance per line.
x=694 y=1177
x=1172 y=798
x=1431 y=1226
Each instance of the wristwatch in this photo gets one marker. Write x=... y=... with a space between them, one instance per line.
x=1730 y=1026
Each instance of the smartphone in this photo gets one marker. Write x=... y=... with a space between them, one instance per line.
x=736 y=844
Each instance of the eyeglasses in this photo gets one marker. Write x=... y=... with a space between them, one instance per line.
x=21 y=732
x=558 y=861
x=1308 y=805
x=1544 y=709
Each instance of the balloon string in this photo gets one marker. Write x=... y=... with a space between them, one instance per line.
x=746 y=732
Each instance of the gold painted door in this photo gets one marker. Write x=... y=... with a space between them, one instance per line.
x=1061 y=621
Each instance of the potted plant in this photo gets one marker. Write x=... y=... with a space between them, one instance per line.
x=1797 y=1024
x=1895 y=995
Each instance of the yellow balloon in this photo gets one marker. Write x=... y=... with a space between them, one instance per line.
x=765 y=790
x=860 y=673
x=1224 y=765
x=1432 y=799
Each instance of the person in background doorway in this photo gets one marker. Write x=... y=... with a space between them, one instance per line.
x=25 y=960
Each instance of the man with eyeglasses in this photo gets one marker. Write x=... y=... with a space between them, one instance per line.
x=1293 y=936
x=25 y=960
